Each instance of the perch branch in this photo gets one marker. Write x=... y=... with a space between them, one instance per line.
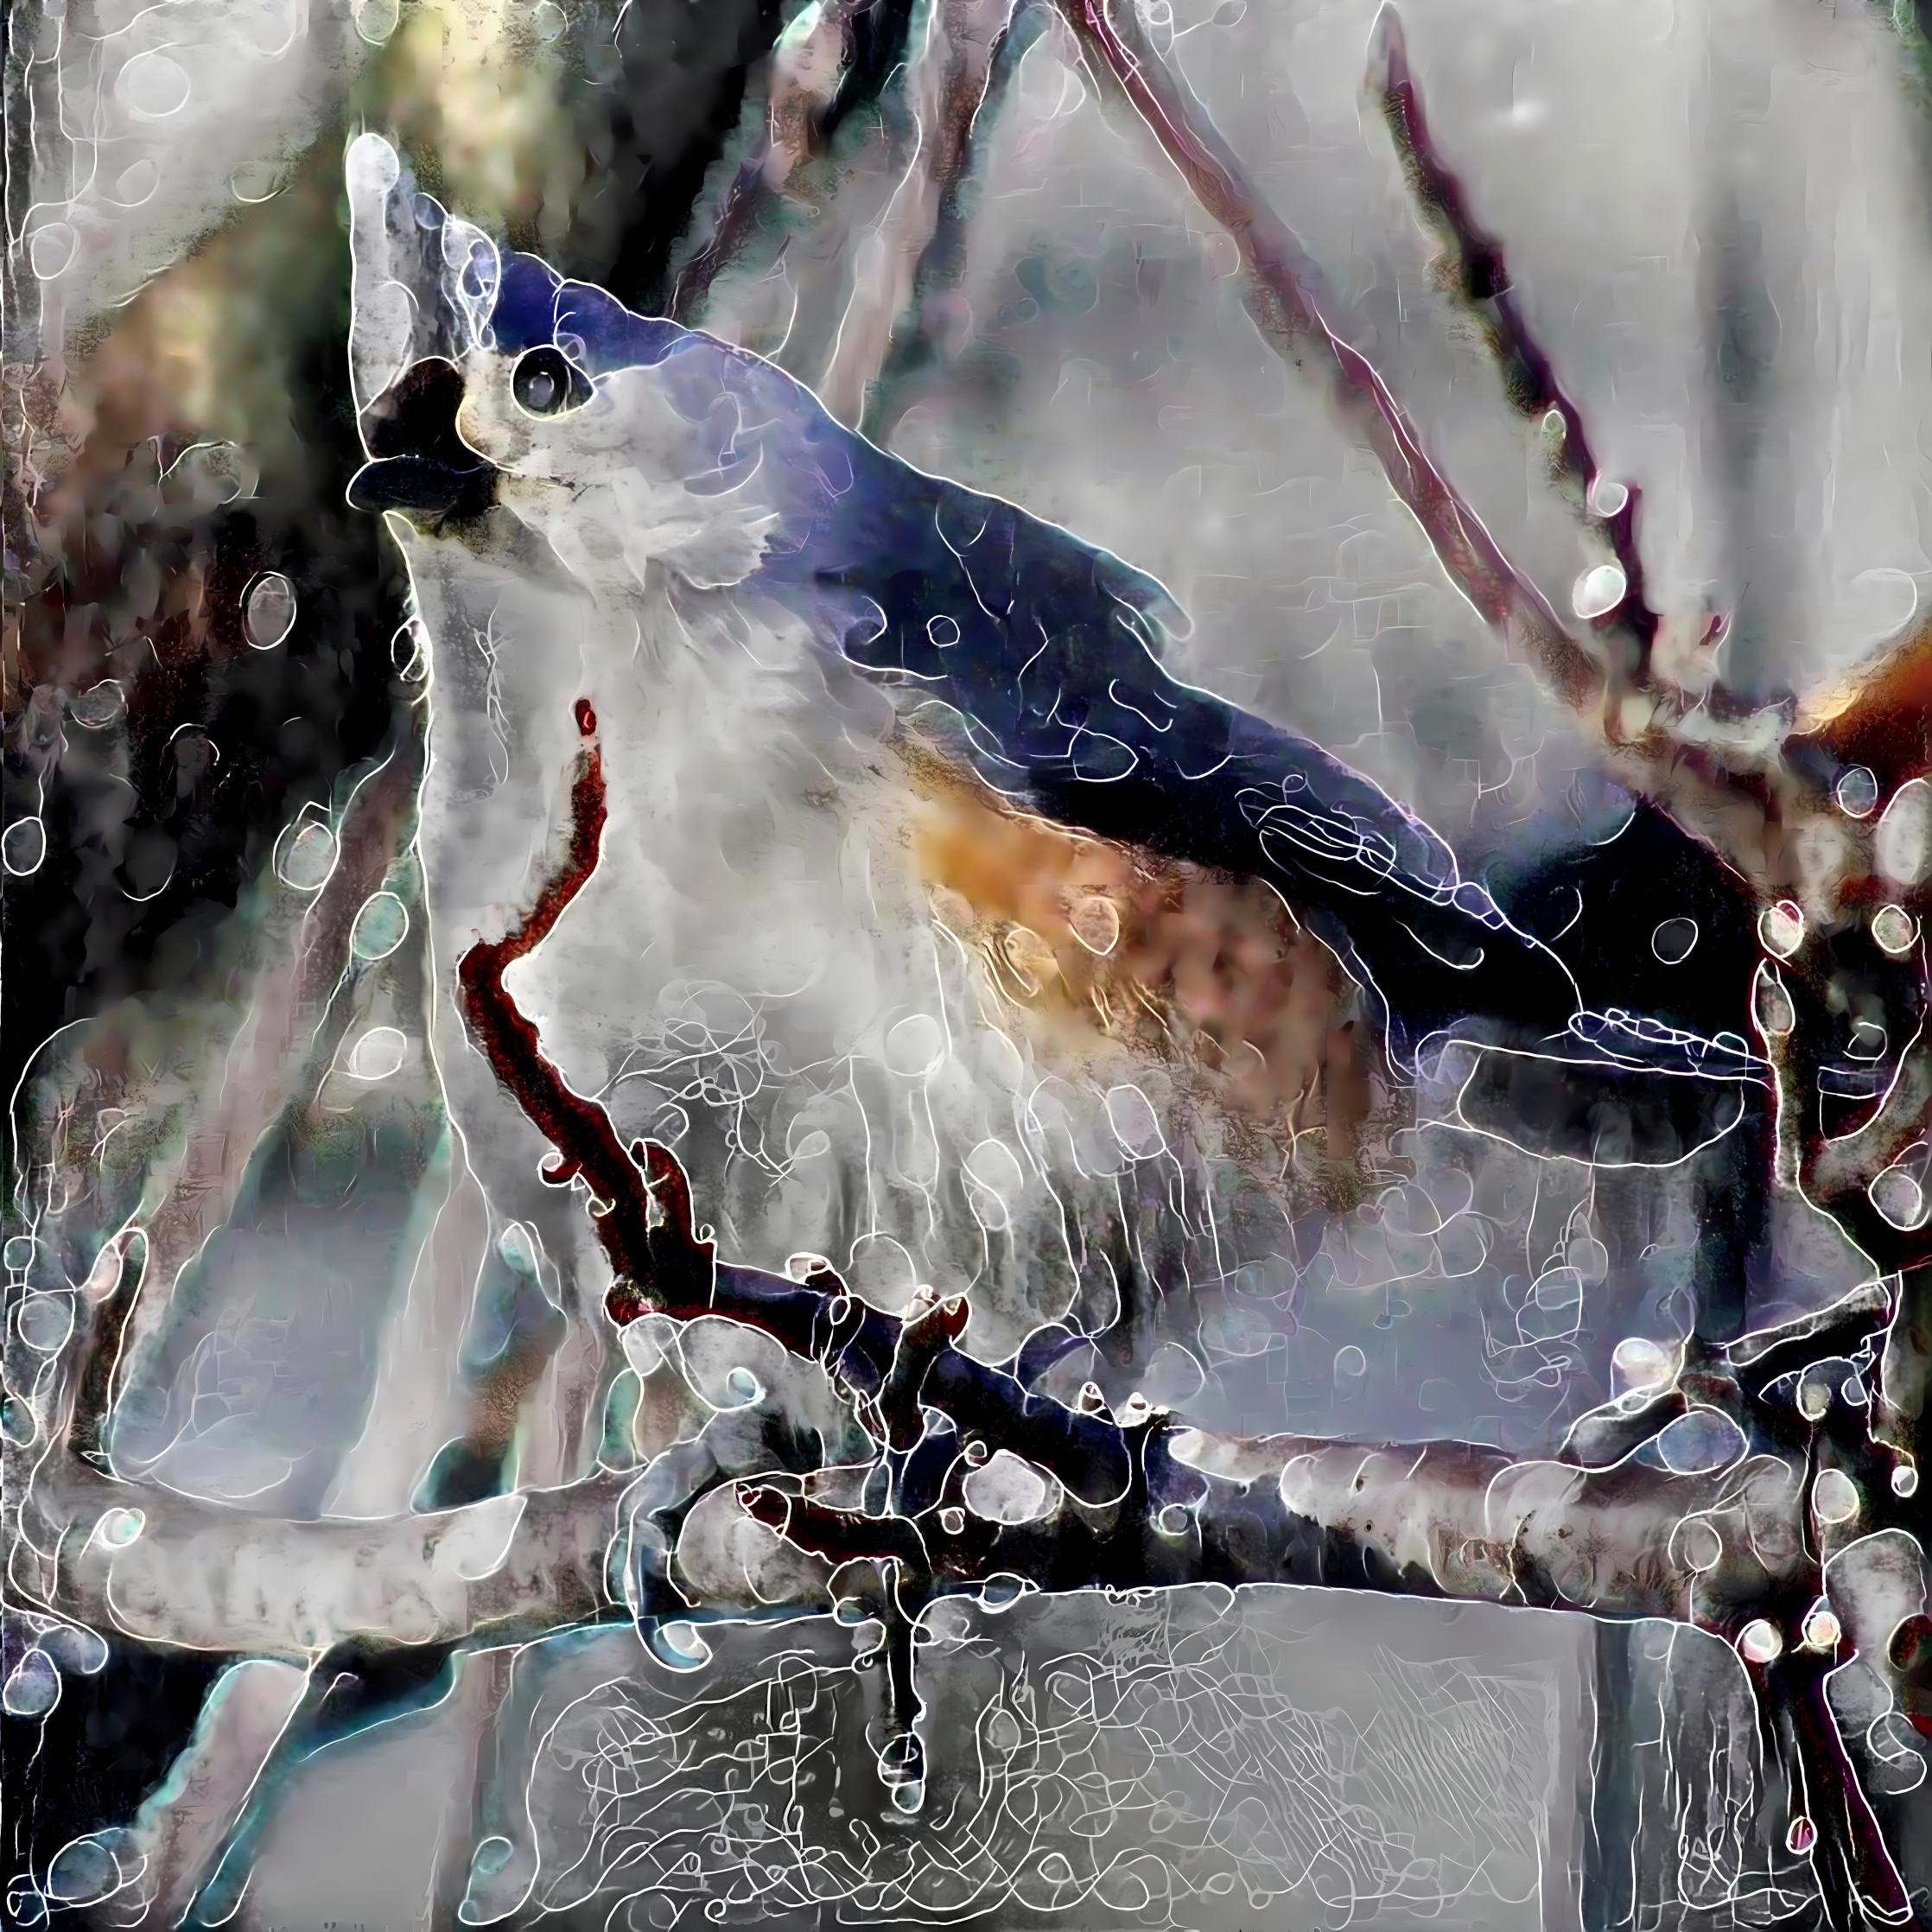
x=1736 y=1541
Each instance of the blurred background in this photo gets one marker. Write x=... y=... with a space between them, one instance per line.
x=1717 y=221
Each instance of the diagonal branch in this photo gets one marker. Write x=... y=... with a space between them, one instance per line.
x=1717 y=1497
x=806 y=67
x=1478 y=271
x=1283 y=285
x=1733 y=1540
x=983 y=46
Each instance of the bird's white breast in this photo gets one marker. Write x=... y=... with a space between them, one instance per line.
x=753 y=972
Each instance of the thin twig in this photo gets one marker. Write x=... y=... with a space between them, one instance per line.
x=1281 y=286
x=1479 y=272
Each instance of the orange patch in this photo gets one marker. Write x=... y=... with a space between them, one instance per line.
x=1207 y=974
x=1876 y=715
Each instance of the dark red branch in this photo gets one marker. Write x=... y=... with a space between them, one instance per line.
x=587 y=1144
x=640 y=1202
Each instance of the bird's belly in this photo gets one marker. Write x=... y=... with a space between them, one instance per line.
x=877 y=1019
x=756 y=895
x=752 y=972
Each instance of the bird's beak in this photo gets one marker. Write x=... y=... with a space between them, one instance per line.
x=422 y=465
x=420 y=488
x=425 y=288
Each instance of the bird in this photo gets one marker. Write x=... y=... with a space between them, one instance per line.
x=794 y=643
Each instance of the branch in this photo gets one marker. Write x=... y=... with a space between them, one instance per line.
x=1715 y=1498
x=807 y=65
x=1281 y=284
x=980 y=69
x=1478 y=271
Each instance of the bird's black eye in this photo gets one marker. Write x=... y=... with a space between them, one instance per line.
x=546 y=383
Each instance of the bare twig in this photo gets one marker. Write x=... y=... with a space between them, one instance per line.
x=1283 y=298
x=1734 y=1542
x=1476 y=267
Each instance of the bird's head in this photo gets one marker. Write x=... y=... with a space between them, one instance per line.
x=485 y=383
